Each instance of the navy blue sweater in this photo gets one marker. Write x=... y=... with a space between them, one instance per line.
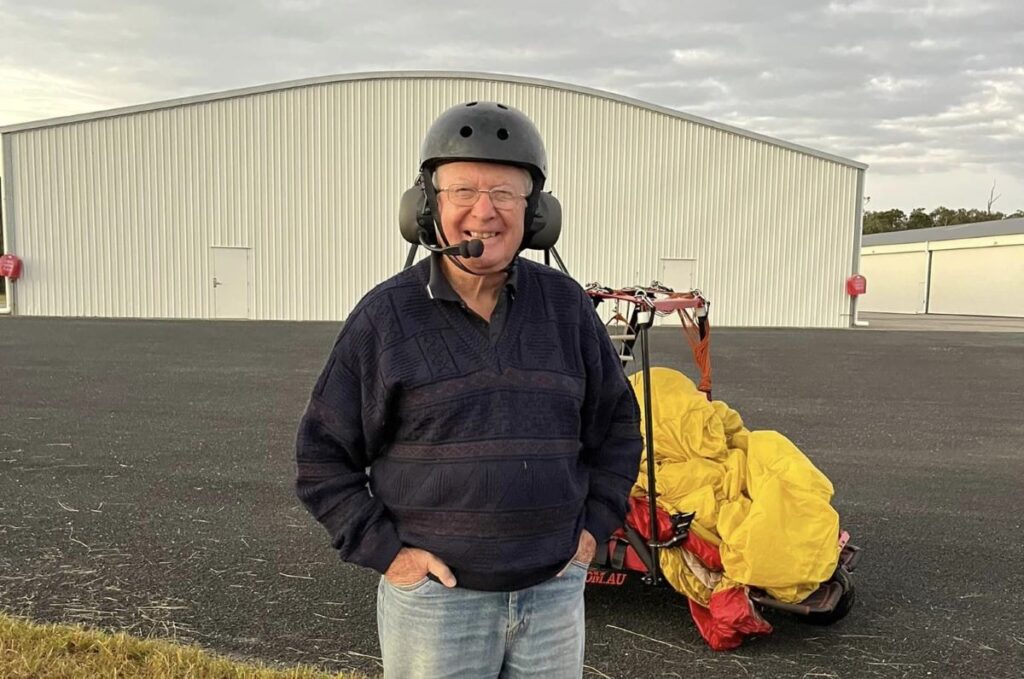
x=421 y=432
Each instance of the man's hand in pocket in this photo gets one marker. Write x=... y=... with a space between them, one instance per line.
x=412 y=565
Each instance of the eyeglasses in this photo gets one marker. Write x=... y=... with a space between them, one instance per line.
x=467 y=196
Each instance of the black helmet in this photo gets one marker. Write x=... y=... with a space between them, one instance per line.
x=480 y=131
x=488 y=132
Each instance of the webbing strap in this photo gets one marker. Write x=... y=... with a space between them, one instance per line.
x=619 y=555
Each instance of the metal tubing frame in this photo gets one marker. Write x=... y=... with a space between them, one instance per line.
x=654 y=577
x=411 y=257
x=558 y=260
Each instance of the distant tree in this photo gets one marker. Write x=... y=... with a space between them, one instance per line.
x=919 y=219
x=992 y=198
x=884 y=221
x=975 y=216
x=943 y=216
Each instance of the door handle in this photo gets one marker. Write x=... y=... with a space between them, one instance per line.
x=216 y=282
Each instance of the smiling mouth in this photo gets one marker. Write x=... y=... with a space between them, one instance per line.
x=482 y=235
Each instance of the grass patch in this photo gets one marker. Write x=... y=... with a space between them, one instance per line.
x=73 y=652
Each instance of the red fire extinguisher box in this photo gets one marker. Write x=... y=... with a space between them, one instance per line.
x=856 y=285
x=10 y=267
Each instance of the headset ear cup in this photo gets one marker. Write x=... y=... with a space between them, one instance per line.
x=414 y=216
x=547 y=224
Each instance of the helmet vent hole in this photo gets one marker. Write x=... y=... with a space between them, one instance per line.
x=466 y=131
x=472 y=103
x=502 y=106
x=503 y=134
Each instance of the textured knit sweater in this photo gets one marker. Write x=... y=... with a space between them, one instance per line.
x=421 y=432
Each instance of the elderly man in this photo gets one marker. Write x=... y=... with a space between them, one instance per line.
x=472 y=436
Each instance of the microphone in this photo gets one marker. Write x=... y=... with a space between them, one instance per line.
x=471 y=248
x=466 y=248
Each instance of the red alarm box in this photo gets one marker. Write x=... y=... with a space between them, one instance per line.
x=10 y=267
x=856 y=285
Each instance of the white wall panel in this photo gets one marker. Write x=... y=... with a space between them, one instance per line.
x=978 y=281
x=116 y=216
x=897 y=281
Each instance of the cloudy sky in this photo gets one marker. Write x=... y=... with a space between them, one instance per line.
x=930 y=93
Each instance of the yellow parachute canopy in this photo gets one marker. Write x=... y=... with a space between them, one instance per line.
x=755 y=495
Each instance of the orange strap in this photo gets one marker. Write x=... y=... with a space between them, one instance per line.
x=701 y=349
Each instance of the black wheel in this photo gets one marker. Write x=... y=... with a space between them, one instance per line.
x=844 y=604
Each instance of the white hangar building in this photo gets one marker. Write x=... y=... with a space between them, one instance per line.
x=966 y=269
x=281 y=202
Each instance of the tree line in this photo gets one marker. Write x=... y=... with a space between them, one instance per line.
x=883 y=221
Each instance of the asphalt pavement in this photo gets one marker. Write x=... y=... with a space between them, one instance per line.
x=146 y=484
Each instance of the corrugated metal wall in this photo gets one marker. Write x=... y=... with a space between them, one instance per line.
x=972 y=276
x=116 y=216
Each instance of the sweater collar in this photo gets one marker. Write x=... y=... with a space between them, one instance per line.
x=438 y=286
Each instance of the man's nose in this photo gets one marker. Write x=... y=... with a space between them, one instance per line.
x=484 y=208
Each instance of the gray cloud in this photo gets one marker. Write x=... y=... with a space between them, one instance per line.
x=922 y=86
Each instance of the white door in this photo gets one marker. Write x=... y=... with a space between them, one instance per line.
x=897 y=282
x=677 y=274
x=231 y=282
x=987 y=281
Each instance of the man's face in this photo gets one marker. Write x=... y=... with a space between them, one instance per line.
x=499 y=227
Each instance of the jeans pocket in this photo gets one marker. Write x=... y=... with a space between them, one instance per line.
x=412 y=587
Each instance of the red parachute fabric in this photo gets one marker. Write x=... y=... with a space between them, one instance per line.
x=639 y=517
x=703 y=550
x=730 y=615
x=728 y=619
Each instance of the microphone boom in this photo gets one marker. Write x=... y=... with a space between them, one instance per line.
x=466 y=248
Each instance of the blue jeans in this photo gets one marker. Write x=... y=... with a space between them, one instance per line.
x=428 y=631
